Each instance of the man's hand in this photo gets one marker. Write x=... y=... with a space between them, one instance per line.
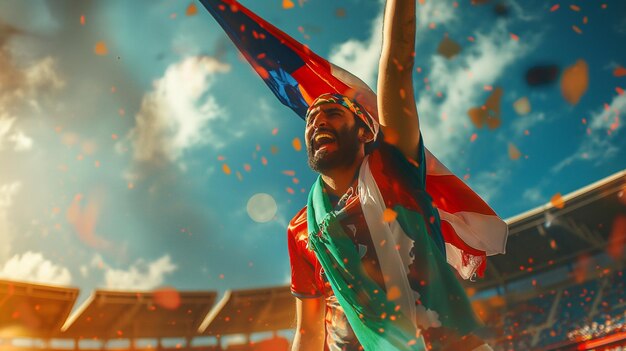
x=396 y=104
x=310 y=332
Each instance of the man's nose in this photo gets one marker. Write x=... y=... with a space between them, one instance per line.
x=320 y=120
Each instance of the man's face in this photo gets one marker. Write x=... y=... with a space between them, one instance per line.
x=332 y=137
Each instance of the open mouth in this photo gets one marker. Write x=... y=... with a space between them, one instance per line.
x=323 y=139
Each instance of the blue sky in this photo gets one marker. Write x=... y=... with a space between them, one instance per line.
x=133 y=167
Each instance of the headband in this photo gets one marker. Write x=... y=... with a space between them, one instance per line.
x=351 y=105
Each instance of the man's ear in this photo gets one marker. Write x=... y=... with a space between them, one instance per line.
x=365 y=135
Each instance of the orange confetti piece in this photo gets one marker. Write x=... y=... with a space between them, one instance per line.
x=247 y=167
x=226 y=169
x=555 y=7
x=574 y=8
x=101 y=48
x=192 y=9
x=393 y=293
x=297 y=144
x=619 y=71
x=488 y=114
x=264 y=161
x=619 y=90
x=389 y=215
x=274 y=131
x=448 y=48
x=473 y=137
x=274 y=149
x=287 y=4
x=167 y=298
x=290 y=190
x=514 y=153
x=514 y=37
x=114 y=136
x=557 y=201
x=575 y=82
x=577 y=30
x=82 y=20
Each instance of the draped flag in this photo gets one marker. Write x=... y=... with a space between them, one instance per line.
x=296 y=75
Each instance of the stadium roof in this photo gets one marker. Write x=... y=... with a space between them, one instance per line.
x=156 y=314
x=559 y=232
x=32 y=310
x=252 y=311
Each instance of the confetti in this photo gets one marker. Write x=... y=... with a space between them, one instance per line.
x=82 y=20
x=101 y=48
x=264 y=161
x=448 y=48
x=619 y=71
x=575 y=82
x=522 y=106
x=393 y=293
x=297 y=144
x=514 y=153
x=340 y=12
x=542 y=75
x=577 y=30
x=389 y=215
x=192 y=10
x=246 y=167
x=554 y=8
x=226 y=169
x=489 y=113
x=557 y=201
x=287 y=4
x=473 y=137
x=167 y=298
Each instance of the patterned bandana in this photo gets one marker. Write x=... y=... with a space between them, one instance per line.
x=351 y=105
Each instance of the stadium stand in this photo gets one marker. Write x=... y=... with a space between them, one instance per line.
x=561 y=286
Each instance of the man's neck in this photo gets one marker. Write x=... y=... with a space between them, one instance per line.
x=339 y=180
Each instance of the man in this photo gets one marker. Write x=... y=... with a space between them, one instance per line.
x=367 y=255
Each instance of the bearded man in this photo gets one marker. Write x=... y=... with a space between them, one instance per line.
x=368 y=258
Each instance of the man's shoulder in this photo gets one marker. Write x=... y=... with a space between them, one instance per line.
x=298 y=222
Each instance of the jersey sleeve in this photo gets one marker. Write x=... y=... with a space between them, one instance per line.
x=305 y=271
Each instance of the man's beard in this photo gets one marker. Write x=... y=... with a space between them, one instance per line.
x=347 y=149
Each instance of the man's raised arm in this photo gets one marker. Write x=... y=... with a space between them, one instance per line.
x=396 y=105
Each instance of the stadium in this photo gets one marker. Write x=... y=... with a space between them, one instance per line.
x=560 y=286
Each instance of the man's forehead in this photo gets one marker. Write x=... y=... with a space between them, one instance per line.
x=327 y=107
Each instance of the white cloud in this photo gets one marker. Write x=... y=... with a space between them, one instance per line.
x=533 y=195
x=461 y=82
x=598 y=146
x=139 y=276
x=361 y=57
x=34 y=267
x=488 y=184
x=7 y=230
x=522 y=123
x=21 y=141
x=175 y=115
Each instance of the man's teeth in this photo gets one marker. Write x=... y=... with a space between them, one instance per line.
x=322 y=136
